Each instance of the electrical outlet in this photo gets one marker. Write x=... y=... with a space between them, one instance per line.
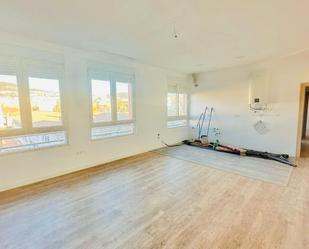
x=79 y=153
x=158 y=135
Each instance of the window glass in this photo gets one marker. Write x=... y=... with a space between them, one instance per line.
x=112 y=131
x=101 y=101
x=9 y=103
x=176 y=123
x=34 y=141
x=112 y=103
x=172 y=104
x=45 y=102
x=124 y=105
x=30 y=104
x=176 y=106
x=182 y=104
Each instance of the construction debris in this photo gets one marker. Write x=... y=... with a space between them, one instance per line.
x=282 y=158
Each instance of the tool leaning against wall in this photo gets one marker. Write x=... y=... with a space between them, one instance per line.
x=202 y=141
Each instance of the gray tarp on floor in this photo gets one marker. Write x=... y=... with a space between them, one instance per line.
x=257 y=168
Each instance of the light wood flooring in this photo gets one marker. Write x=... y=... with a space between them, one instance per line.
x=154 y=201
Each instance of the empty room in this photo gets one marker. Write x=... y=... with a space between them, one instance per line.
x=147 y=124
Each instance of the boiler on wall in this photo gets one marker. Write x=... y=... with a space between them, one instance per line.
x=259 y=90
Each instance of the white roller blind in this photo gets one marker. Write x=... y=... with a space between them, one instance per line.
x=172 y=89
x=99 y=74
x=42 y=69
x=8 y=65
x=122 y=77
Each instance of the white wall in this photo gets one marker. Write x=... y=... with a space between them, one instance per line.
x=227 y=91
x=151 y=87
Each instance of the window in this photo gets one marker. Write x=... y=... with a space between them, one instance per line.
x=30 y=106
x=101 y=101
x=112 y=104
x=176 y=106
x=9 y=103
x=124 y=105
x=45 y=102
x=172 y=104
x=182 y=103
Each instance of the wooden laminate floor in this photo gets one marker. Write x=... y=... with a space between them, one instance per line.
x=154 y=201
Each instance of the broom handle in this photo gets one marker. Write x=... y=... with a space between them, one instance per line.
x=203 y=120
x=210 y=116
x=199 y=126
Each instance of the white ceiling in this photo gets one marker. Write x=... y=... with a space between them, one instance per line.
x=213 y=34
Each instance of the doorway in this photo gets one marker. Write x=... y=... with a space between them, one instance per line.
x=303 y=122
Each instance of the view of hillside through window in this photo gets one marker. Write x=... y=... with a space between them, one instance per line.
x=9 y=103
x=45 y=102
x=45 y=111
x=101 y=101
x=124 y=111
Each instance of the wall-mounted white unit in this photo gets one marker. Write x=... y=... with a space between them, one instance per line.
x=259 y=90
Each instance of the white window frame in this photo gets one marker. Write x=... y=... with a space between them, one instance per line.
x=179 y=90
x=23 y=69
x=113 y=78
